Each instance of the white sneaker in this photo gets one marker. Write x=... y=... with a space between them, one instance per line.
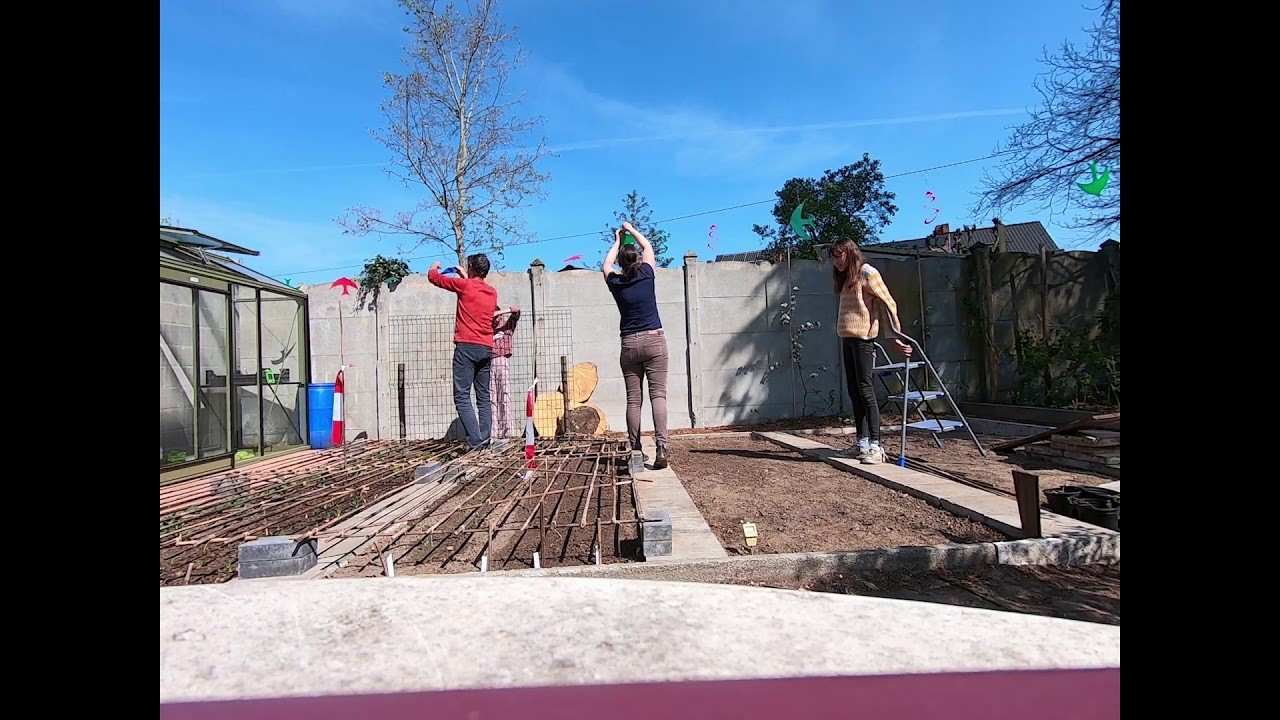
x=874 y=456
x=852 y=452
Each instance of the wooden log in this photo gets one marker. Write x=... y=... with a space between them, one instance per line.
x=583 y=379
x=547 y=412
x=586 y=420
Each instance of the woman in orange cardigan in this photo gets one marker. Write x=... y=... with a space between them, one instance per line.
x=862 y=296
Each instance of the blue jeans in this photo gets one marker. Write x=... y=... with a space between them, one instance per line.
x=471 y=367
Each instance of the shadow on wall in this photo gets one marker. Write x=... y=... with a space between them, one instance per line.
x=770 y=349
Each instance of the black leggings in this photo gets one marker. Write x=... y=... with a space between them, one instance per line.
x=859 y=358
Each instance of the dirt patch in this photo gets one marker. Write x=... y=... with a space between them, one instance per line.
x=800 y=504
x=809 y=422
x=1090 y=593
x=958 y=456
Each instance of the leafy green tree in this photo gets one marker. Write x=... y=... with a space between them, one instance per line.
x=635 y=210
x=849 y=202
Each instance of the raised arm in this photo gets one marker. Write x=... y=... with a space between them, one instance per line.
x=646 y=250
x=612 y=256
x=508 y=323
x=875 y=283
x=451 y=284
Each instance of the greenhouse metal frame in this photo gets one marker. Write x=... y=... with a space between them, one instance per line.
x=234 y=358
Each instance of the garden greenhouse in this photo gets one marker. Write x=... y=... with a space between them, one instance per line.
x=233 y=358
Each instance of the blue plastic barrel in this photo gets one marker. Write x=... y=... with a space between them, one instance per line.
x=320 y=415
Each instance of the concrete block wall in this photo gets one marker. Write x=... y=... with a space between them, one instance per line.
x=594 y=321
x=724 y=329
x=740 y=323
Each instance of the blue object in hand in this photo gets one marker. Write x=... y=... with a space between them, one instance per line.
x=450 y=271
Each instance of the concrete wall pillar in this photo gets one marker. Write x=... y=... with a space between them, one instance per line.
x=693 y=332
x=388 y=425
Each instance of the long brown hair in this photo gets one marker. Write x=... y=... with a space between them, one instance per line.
x=852 y=269
x=629 y=259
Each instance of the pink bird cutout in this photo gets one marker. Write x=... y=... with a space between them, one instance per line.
x=571 y=258
x=347 y=285
x=932 y=199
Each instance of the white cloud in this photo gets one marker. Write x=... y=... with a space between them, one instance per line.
x=703 y=142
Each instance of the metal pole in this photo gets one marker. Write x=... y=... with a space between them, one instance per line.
x=906 y=411
x=564 y=385
x=400 y=399
x=196 y=381
x=257 y=372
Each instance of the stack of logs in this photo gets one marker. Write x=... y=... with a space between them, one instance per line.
x=1092 y=450
x=568 y=410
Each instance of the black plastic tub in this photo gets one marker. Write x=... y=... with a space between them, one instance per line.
x=1099 y=493
x=1060 y=499
x=1098 y=511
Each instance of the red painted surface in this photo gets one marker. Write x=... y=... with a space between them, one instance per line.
x=1043 y=695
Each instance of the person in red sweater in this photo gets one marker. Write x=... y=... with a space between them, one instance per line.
x=472 y=344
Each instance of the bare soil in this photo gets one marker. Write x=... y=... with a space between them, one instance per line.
x=958 y=456
x=1090 y=593
x=800 y=504
x=809 y=422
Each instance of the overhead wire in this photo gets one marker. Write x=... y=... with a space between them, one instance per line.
x=656 y=222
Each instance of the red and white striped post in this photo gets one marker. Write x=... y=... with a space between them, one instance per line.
x=339 y=411
x=528 y=424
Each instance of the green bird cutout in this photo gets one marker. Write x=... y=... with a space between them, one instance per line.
x=1098 y=183
x=801 y=224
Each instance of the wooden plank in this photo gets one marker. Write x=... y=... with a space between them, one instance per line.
x=1048 y=417
x=1091 y=423
x=388 y=512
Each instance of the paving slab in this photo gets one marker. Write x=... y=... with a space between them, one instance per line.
x=691 y=536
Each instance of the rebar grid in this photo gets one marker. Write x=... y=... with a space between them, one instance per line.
x=202 y=521
x=567 y=507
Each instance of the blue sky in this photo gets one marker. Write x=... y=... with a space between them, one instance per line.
x=265 y=107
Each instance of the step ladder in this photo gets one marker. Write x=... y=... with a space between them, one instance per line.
x=918 y=400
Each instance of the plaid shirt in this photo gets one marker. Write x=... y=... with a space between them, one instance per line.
x=859 y=314
x=504 y=328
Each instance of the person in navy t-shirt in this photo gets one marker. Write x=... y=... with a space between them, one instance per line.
x=644 y=346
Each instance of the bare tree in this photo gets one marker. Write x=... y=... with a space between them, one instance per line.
x=450 y=132
x=1077 y=124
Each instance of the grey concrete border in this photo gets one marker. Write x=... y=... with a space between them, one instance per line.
x=807 y=567
x=787 y=567
x=708 y=435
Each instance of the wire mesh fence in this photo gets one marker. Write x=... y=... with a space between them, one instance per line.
x=421 y=374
